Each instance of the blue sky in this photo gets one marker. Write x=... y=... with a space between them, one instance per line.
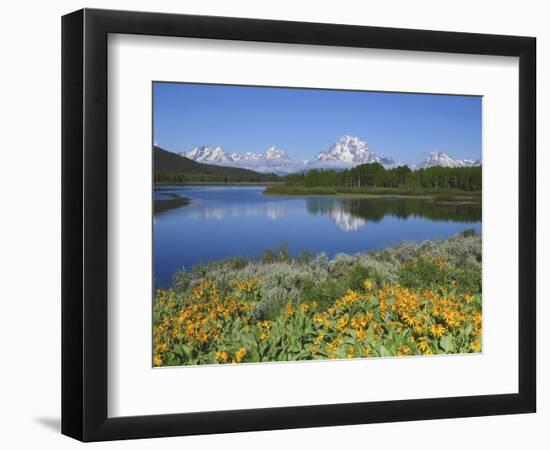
x=306 y=121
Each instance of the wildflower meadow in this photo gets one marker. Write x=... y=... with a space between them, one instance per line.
x=409 y=300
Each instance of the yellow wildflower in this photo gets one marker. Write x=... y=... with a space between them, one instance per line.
x=403 y=351
x=239 y=355
x=475 y=346
x=382 y=308
x=437 y=330
x=410 y=320
x=289 y=310
x=360 y=334
x=157 y=360
x=342 y=323
x=319 y=338
x=202 y=336
x=367 y=284
x=222 y=356
x=356 y=323
x=423 y=344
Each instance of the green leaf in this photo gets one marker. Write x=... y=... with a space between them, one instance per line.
x=184 y=351
x=447 y=343
x=254 y=355
x=172 y=360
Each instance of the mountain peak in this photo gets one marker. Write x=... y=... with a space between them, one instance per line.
x=348 y=139
x=348 y=151
x=442 y=159
x=205 y=153
x=275 y=153
x=438 y=154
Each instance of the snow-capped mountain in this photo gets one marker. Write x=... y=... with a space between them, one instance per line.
x=273 y=159
x=275 y=153
x=209 y=155
x=348 y=151
x=438 y=158
x=271 y=154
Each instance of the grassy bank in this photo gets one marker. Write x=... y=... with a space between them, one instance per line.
x=342 y=191
x=169 y=203
x=413 y=299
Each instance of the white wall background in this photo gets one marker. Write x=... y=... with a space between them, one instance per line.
x=30 y=225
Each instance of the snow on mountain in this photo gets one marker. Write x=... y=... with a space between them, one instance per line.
x=275 y=153
x=438 y=158
x=273 y=159
x=348 y=151
x=209 y=155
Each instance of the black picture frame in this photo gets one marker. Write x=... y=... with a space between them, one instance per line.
x=84 y=224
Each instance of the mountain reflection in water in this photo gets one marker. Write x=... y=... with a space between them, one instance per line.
x=197 y=224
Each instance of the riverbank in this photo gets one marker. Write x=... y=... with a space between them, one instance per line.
x=411 y=299
x=278 y=188
x=175 y=201
x=332 y=191
x=219 y=183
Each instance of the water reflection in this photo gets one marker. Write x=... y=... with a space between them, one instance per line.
x=197 y=224
x=276 y=210
x=345 y=219
x=348 y=214
x=351 y=214
x=205 y=212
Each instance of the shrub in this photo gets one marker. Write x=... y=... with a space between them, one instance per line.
x=307 y=278
x=282 y=284
x=426 y=273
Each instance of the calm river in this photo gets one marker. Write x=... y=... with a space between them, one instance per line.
x=221 y=221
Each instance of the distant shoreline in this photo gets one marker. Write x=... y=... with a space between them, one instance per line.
x=438 y=197
x=279 y=189
x=219 y=183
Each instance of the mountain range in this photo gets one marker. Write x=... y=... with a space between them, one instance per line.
x=438 y=158
x=347 y=152
x=273 y=160
x=168 y=164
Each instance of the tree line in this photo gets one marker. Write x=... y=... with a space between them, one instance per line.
x=179 y=177
x=374 y=175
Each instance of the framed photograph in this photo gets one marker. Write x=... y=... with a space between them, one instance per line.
x=273 y=224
